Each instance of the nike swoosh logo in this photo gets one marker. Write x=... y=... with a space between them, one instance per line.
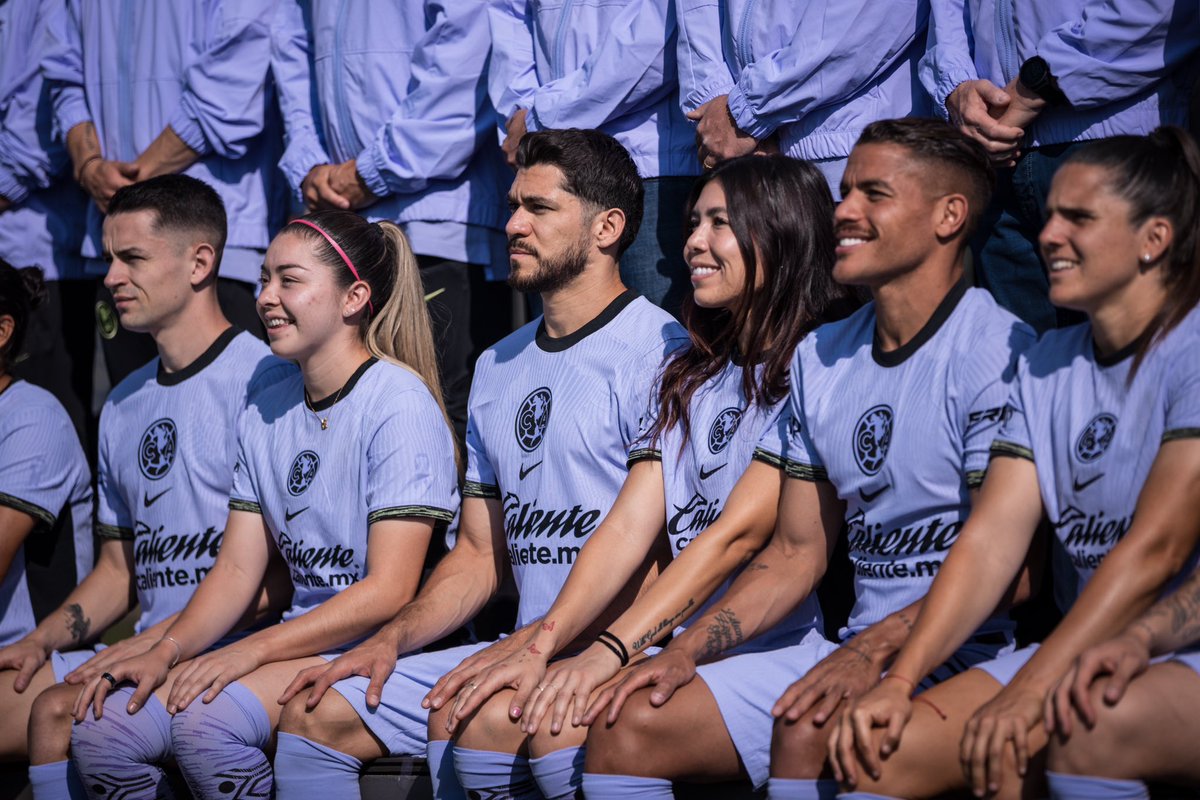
x=705 y=474
x=1079 y=487
x=525 y=471
x=148 y=501
x=288 y=516
x=869 y=496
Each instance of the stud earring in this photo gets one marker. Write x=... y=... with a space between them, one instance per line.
x=1145 y=258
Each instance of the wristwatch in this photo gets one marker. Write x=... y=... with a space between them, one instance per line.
x=1036 y=76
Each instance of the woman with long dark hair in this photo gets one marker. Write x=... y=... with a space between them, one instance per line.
x=760 y=252
x=1103 y=439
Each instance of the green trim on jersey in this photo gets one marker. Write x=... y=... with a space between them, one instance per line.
x=806 y=472
x=245 y=505
x=1181 y=433
x=405 y=512
x=975 y=478
x=1003 y=448
x=37 y=512
x=768 y=458
x=114 y=532
x=642 y=454
x=484 y=490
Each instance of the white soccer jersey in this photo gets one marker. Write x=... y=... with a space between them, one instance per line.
x=43 y=473
x=549 y=429
x=1093 y=433
x=902 y=435
x=387 y=453
x=701 y=471
x=168 y=444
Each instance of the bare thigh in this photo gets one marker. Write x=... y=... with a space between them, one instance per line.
x=926 y=764
x=333 y=723
x=268 y=682
x=685 y=739
x=14 y=710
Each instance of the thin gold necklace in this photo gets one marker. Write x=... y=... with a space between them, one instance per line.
x=325 y=419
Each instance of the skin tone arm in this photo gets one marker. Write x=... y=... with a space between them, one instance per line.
x=610 y=559
x=457 y=589
x=166 y=155
x=336 y=186
x=98 y=176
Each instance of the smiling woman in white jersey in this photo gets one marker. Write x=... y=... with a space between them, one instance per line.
x=760 y=250
x=1102 y=437
x=344 y=469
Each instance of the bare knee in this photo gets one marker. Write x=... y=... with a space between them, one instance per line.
x=323 y=724
x=616 y=749
x=1101 y=749
x=798 y=749
x=491 y=728
x=50 y=724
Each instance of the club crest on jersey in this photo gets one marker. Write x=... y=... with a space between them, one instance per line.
x=723 y=428
x=872 y=437
x=156 y=453
x=532 y=418
x=1096 y=438
x=304 y=470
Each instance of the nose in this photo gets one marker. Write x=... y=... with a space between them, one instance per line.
x=115 y=275
x=695 y=242
x=848 y=210
x=1052 y=233
x=518 y=224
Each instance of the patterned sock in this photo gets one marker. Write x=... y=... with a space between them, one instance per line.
x=1083 y=787
x=57 y=780
x=801 y=789
x=120 y=753
x=440 y=755
x=493 y=774
x=306 y=770
x=219 y=746
x=598 y=787
x=559 y=774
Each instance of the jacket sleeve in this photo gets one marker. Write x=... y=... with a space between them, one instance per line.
x=859 y=41
x=512 y=75
x=62 y=66
x=26 y=163
x=703 y=71
x=434 y=132
x=291 y=67
x=633 y=65
x=950 y=54
x=1114 y=50
x=223 y=104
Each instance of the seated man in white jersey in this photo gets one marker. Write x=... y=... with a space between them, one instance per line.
x=166 y=454
x=554 y=408
x=45 y=501
x=893 y=410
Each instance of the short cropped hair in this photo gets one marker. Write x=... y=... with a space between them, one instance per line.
x=596 y=169
x=180 y=203
x=941 y=145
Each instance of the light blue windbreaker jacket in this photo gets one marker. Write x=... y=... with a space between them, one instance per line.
x=399 y=87
x=814 y=71
x=44 y=226
x=1123 y=65
x=603 y=64
x=132 y=67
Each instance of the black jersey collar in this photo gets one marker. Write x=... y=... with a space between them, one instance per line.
x=894 y=358
x=207 y=357
x=347 y=387
x=551 y=345
x=1112 y=359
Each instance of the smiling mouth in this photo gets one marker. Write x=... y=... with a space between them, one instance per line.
x=276 y=323
x=1061 y=264
x=704 y=272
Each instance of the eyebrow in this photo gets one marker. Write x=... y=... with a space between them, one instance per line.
x=530 y=199
x=125 y=252
x=875 y=184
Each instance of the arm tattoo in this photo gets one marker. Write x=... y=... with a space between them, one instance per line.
x=858 y=652
x=755 y=566
x=548 y=626
x=77 y=624
x=908 y=623
x=650 y=635
x=724 y=633
x=1174 y=622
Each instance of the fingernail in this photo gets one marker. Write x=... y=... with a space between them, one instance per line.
x=133 y=707
x=516 y=711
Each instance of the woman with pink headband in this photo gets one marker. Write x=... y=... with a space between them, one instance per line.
x=345 y=469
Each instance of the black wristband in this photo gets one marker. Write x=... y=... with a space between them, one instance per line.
x=616 y=645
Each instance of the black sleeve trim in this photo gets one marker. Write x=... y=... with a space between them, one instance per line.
x=244 y=505
x=113 y=532
x=1181 y=433
x=485 y=490
x=406 y=512
x=37 y=512
x=975 y=478
x=806 y=472
x=1003 y=448
x=642 y=454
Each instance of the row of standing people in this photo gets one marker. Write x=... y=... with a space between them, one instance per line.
x=840 y=434
x=393 y=109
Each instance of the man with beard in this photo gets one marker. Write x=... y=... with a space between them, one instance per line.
x=554 y=408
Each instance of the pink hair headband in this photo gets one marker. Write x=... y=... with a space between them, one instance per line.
x=340 y=252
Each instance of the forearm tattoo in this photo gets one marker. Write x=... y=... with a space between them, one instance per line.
x=1174 y=621
x=724 y=633
x=77 y=624
x=908 y=623
x=857 y=651
x=652 y=634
